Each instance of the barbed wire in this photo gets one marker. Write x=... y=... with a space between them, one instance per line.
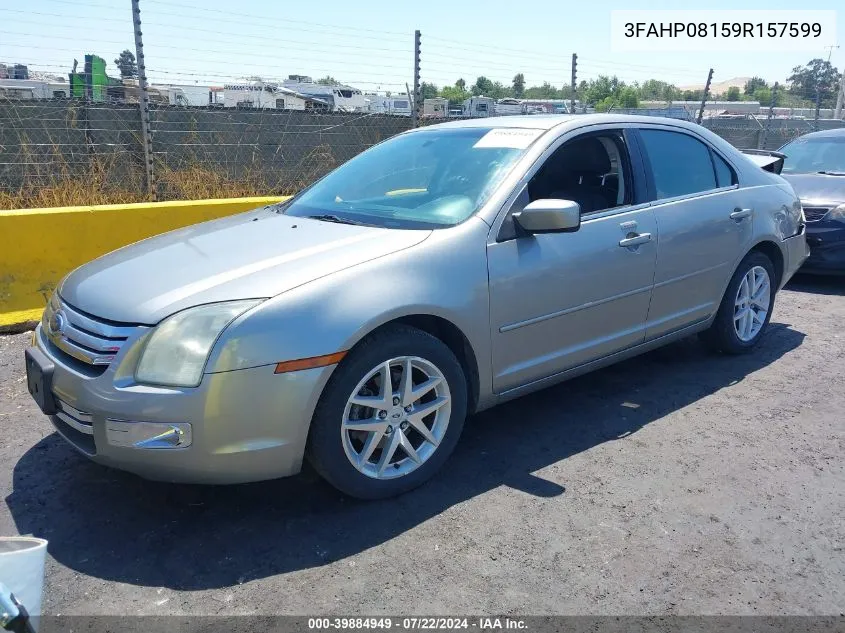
x=227 y=119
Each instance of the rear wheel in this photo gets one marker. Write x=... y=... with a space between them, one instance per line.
x=390 y=415
x=746 y=308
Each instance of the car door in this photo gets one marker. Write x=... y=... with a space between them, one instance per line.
x=705 y=224
x=560 y=300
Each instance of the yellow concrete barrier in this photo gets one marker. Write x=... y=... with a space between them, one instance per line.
x=40 y=246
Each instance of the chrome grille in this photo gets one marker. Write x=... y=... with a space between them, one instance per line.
x=814 y=214
x=81 y=336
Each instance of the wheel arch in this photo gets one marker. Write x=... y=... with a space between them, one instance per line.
x=450 y=335
x=771 y=250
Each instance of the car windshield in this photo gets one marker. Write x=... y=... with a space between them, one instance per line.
x=427 y=179
x=812 y=155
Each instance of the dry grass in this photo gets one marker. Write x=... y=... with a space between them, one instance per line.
x=96 y=185
x=59 y=180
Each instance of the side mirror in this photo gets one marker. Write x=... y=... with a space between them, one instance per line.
x=549 y=216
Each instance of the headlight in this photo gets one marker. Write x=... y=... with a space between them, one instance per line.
x=837 y=213
x=176 y=351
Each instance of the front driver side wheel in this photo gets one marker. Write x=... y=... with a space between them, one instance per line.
x=390 y=415
x=746 y=308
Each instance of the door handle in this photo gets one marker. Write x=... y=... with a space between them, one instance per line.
x=635 y=240
x=740 y=214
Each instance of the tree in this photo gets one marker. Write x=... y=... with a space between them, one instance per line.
x=628 y=97
x=598 y=90
x=328 y=80
x=657 y=90
x=818 y=77
x=454 y=94
x=519 y=85
x=461 y=85
x=482 y=86
x=733 y=94
x=754 y=84
x=427 y=90
x=126 y=64
x=499 y=91
x=546 y=91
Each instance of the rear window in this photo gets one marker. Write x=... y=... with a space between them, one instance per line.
x=681 y=164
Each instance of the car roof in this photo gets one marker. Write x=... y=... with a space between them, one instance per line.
x=837 y=132
x=549 y=121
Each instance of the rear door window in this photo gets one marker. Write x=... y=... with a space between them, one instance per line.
x=681 y=164
x=725 y=176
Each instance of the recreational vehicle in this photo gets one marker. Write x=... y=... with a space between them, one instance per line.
x=400 y=105
x=478 y=106
x=269 y=96
x=435 y=107
x=340 y=98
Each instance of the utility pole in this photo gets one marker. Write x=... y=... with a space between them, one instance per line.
x=417 y=109
x=761 y=144
x=143 y=100
x=840 y=98
x=704 y=96
x=574 y=82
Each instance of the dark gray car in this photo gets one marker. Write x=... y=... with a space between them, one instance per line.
x=815 y=167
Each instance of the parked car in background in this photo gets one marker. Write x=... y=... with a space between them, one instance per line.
x=439 y=273
x=815 y=167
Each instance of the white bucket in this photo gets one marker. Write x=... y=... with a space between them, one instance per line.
x=22 y=569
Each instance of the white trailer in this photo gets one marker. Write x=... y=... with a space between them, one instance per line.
x=383 y=104
x=340 y=98
x=508 y=106
x=435 y=107
x=33 y=89
x=478 y=106
x=189 y=95
x=268 y=96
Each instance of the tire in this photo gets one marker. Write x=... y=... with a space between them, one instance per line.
x=724 y=334
x=332 y=446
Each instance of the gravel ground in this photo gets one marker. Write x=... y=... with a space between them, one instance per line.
x=675 y=483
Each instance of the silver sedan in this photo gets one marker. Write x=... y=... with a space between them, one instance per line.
x=439 y=273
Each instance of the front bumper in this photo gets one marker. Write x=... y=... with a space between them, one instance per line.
x=827 y=248
x=244 y=425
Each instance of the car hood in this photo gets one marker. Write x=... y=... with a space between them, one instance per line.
x=818 y=187
x=249 y=255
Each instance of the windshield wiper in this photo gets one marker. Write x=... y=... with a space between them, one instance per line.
x=328 y=217
x=832 y=173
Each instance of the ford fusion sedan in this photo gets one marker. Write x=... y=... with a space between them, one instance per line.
x=437 y=274
x=815 y=167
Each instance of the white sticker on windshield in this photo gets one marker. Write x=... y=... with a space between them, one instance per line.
x=515 y=138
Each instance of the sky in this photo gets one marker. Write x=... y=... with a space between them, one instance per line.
x=369 y=44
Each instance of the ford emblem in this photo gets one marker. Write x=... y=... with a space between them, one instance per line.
x=57 y=323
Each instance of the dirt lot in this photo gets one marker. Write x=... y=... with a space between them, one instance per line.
x=678 y=482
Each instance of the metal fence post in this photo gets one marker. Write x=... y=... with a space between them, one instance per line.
x=704 y=96
x=840 y=96
x=416 y=111
x=144 y=101
x=761 y=143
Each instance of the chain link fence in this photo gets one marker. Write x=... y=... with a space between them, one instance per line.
x=242 y=124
